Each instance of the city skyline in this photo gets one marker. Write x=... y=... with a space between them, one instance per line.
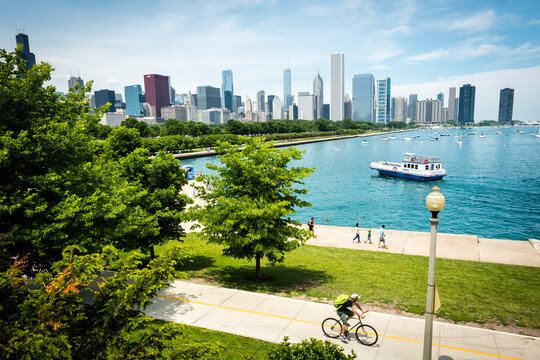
x=491 y=45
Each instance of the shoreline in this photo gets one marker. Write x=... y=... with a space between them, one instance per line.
x=199 y=154
x=451 y=246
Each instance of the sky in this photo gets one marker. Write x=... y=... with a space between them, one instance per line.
x=423 y=46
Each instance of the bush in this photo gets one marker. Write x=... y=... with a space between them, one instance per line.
x=311 y=349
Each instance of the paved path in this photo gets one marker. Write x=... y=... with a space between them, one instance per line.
x=451 y=246
x=270 y=318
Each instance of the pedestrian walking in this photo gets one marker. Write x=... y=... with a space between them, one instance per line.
x=368 y=240
x=382 y=238
x=311 y=225
x=357 y=237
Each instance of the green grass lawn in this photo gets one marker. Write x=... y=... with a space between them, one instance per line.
x=469 y=290
x=232 y=346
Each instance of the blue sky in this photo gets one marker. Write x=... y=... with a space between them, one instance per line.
x=425 y=47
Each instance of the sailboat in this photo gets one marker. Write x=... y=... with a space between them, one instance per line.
x=537 y=135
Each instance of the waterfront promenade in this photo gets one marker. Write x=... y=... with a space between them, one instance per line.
x=270 y=318
x=451 y=246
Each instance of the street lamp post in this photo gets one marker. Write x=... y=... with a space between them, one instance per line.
x=435 y=204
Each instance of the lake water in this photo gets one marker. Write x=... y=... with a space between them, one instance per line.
x=492 y=187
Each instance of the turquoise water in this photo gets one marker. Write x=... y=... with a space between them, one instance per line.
x=492 y=187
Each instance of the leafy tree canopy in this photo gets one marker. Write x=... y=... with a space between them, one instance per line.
x=59 y=186
x=253 y=193
x=80 y=311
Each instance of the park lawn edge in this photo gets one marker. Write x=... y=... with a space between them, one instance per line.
x=470 y=291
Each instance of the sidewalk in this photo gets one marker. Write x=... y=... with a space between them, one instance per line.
x=451 y=246
x=270 y=318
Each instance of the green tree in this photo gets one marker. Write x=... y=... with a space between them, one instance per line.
x=56 y=186
x=80 y=311
x=174 y=127
x=122 y=141
x=252 y=196
x=160 y=181
x=132 y=123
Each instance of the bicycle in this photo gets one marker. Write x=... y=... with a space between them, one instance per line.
x=365 y=334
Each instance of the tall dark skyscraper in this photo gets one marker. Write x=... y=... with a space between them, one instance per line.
x=363 y=94
x=22 y=39
x=506 y=105
x=208 y=97
x=157 y=92
x=466 y=103
x=227 y=90
x=270 y=103
x=103 y=97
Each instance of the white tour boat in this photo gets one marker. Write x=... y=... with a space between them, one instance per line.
x=413 y=166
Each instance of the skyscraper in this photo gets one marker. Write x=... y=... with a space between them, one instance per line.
x=318 y=93
x=75 y=82
x=260 y=101
x=363 y=93
x=440 y=97
x=337 y=86
x=506 y=105
x=237 y=102
x=347 y=107
x=134 y=100
x=466 y=103
x=156 y=88
x=401 y=109
x=306 y=106
x=270 y=103
x=383 y=100
x=103 y=97
x=413 y=99
x=208 y=97
x=277 y=108
x=227 y=91
x=392 y=108
x=429 y=111
x=452 y=103
x=172 y=93
x=30 y=58
x=287 y=95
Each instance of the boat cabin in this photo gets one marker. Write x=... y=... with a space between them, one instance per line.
x=416 y=162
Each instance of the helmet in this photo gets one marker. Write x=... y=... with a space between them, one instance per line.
x=355 y=296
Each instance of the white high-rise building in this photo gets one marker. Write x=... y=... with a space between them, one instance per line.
x=429 y=111
x=306 y=106
x=401 y=109
x=337 y=86
x=277 y=108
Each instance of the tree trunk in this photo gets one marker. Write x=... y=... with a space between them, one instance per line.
x=257 y=266
x=152 y=254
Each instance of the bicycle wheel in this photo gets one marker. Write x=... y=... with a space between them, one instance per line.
x=367 y=335
x=331 y=327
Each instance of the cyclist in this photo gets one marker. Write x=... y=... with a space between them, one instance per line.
x=347 y=311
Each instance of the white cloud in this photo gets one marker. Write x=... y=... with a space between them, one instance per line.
x=524 y=81
x=483 y=20
x=470 y=50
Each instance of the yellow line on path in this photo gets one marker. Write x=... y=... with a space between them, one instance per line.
x=319 y=324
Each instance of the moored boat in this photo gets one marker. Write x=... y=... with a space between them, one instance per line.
x=413 y=167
